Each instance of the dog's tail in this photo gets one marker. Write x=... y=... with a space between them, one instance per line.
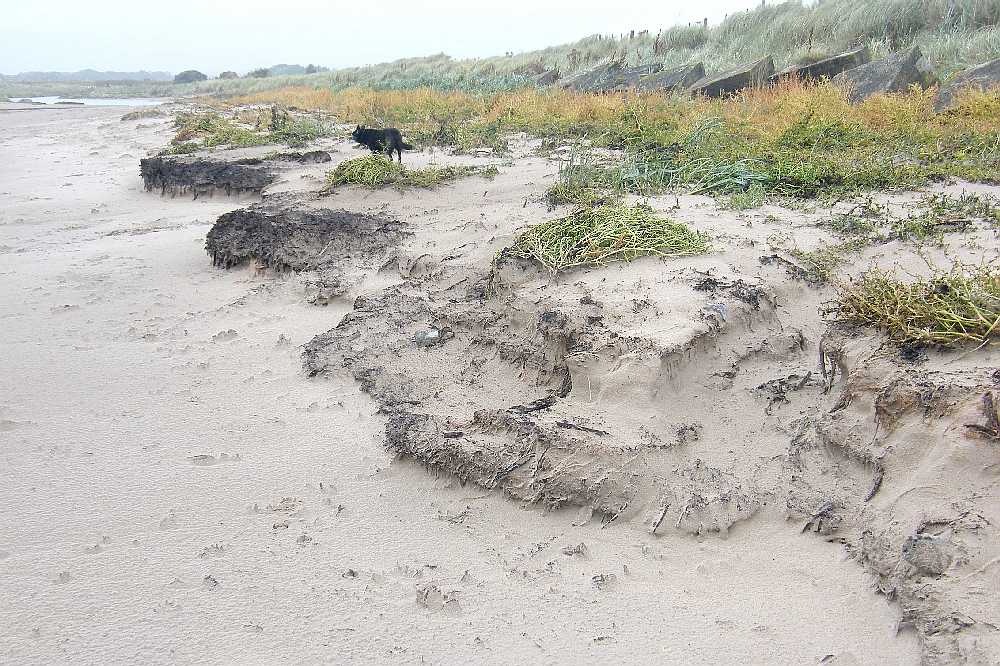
x=406 y=146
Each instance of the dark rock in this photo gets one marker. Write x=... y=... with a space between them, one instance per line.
x=827 y=67
x=895 y=73
x=677 y=78
x=286 y=233
x=981 y=77
x=593 y=78
x=630 y=78
x=737 y=79
x=610 y=77
x=546 y=78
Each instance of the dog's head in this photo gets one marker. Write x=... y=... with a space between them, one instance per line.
x=356 y=134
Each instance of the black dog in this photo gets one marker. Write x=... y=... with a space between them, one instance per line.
x=379 y=140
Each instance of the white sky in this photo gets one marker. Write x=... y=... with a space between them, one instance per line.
x=214 y=35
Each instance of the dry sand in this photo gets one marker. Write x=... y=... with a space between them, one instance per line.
x=175 y=488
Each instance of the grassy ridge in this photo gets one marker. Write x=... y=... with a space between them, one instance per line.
x=952 y=33
x=798 y=140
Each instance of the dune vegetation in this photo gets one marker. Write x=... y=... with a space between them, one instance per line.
x=951 y=33
x=790 y=140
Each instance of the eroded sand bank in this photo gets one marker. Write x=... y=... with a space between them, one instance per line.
x=176 y=488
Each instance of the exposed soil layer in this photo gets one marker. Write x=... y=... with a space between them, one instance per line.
x=201 y=174
x=294 y=233
x=686 y=396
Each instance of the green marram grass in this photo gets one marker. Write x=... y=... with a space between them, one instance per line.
x=375 y=171
x=209 y=129
x=952 y=307
x=599 y=235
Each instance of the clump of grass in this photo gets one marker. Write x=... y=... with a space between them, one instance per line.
x=582 y=181
x=298 y=132
x=596 y=236
x=182 y=148
x=214 y=129
x=964 y=207
x=139 y=114
x=572 y=193
x=375 y=171
x=961 y=305
x=752 y=197
x=821 y=263
x=208 y=129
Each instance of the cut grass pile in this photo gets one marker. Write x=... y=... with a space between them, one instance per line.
x=961 y=305
x=375 y=171
x=596 y=236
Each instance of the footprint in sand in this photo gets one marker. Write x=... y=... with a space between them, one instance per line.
x=181 y=584
x=98 y=547
x=205 y=460
x=169 y=521
x=225 y=336
x=6 y=425
x=215 y=550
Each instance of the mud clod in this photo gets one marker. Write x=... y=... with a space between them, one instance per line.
x=206 y=174
x=181 y=174
x=296 y=235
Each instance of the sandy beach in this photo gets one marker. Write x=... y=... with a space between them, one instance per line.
x=177 y=489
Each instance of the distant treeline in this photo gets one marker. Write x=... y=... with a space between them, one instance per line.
x=87 y=75
x=95 y=76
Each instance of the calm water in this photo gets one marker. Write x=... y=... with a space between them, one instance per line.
x=94 y=101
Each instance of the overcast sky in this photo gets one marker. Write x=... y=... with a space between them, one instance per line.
x=211 y=35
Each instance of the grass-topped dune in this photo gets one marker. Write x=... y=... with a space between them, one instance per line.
x=953 y=34
x=375 y=171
